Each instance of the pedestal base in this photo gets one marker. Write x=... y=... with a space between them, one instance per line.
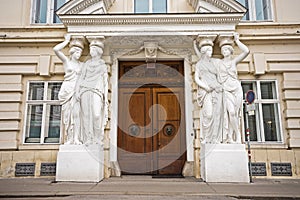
x=224 y=163
x=80 y=163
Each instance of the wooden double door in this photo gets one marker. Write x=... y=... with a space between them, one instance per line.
x=151 y=129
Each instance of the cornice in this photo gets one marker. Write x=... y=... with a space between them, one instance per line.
x=185 y=19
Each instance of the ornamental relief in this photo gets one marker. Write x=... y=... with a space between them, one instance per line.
x=140 y=73
x=164 y=41
x=179 y=46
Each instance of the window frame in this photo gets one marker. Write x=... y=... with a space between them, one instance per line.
x=49 y=15
x=44 y=102
x=150 y=7
x=252 y=12
x=261 y=137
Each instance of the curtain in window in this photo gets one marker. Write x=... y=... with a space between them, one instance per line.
x=41 y=11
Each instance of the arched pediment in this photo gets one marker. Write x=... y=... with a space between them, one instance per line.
x=85 y=7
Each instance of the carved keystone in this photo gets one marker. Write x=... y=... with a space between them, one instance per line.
x=151 y=51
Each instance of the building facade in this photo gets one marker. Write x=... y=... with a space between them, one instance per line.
x=151 y=63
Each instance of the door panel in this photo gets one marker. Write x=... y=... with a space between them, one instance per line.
x=135 y=145
x=171 y=138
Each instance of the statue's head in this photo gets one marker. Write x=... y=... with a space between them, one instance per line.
x=75 y=52
x=76 y=46
x=227 y=50
x=96 y=48
x=206 y=50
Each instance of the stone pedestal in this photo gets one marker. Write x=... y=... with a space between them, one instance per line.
x=224 y=163
x=80 y=163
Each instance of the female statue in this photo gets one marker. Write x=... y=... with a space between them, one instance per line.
x=91 y=91
x=208 y=95
x=72 y=67
x=233 y=93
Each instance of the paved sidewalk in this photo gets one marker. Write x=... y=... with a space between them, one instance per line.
x=146 y=187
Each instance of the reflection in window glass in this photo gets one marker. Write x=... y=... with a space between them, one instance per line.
x=258 y=10
x=34 y=122
x=246 y=5
x=268 y=90
x=57 y=5
x=36 y=91
x=141 y=6
x=159 y=6
x=53 y=90
x=41 y=11
x=270 y=126
x=261 y=8
x=53 y=118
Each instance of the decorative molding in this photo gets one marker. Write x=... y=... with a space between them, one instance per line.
x=134 y=19
x=133 y=41
x=132 y=45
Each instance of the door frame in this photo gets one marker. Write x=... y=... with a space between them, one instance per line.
x=188 y=81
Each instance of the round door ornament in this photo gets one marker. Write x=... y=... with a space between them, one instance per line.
x=169 y=129
x=134 y=130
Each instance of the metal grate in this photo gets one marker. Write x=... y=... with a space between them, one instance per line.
x=259 y=169
x=25 y=169
x=48 y=169
x=281 y=169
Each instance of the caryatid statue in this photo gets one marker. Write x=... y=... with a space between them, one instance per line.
x=209 y=93
x=72 y=67
x=92 y=93
x=232 y=89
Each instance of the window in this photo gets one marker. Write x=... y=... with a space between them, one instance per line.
x=43 y=113
x=265 y=124
x=44 y=11
x=258 y=10
x=150 y=6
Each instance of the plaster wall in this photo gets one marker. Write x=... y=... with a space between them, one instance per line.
x=287 y=11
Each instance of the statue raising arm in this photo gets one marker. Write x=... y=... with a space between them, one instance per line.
x=244 y=48
x=57 y=49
